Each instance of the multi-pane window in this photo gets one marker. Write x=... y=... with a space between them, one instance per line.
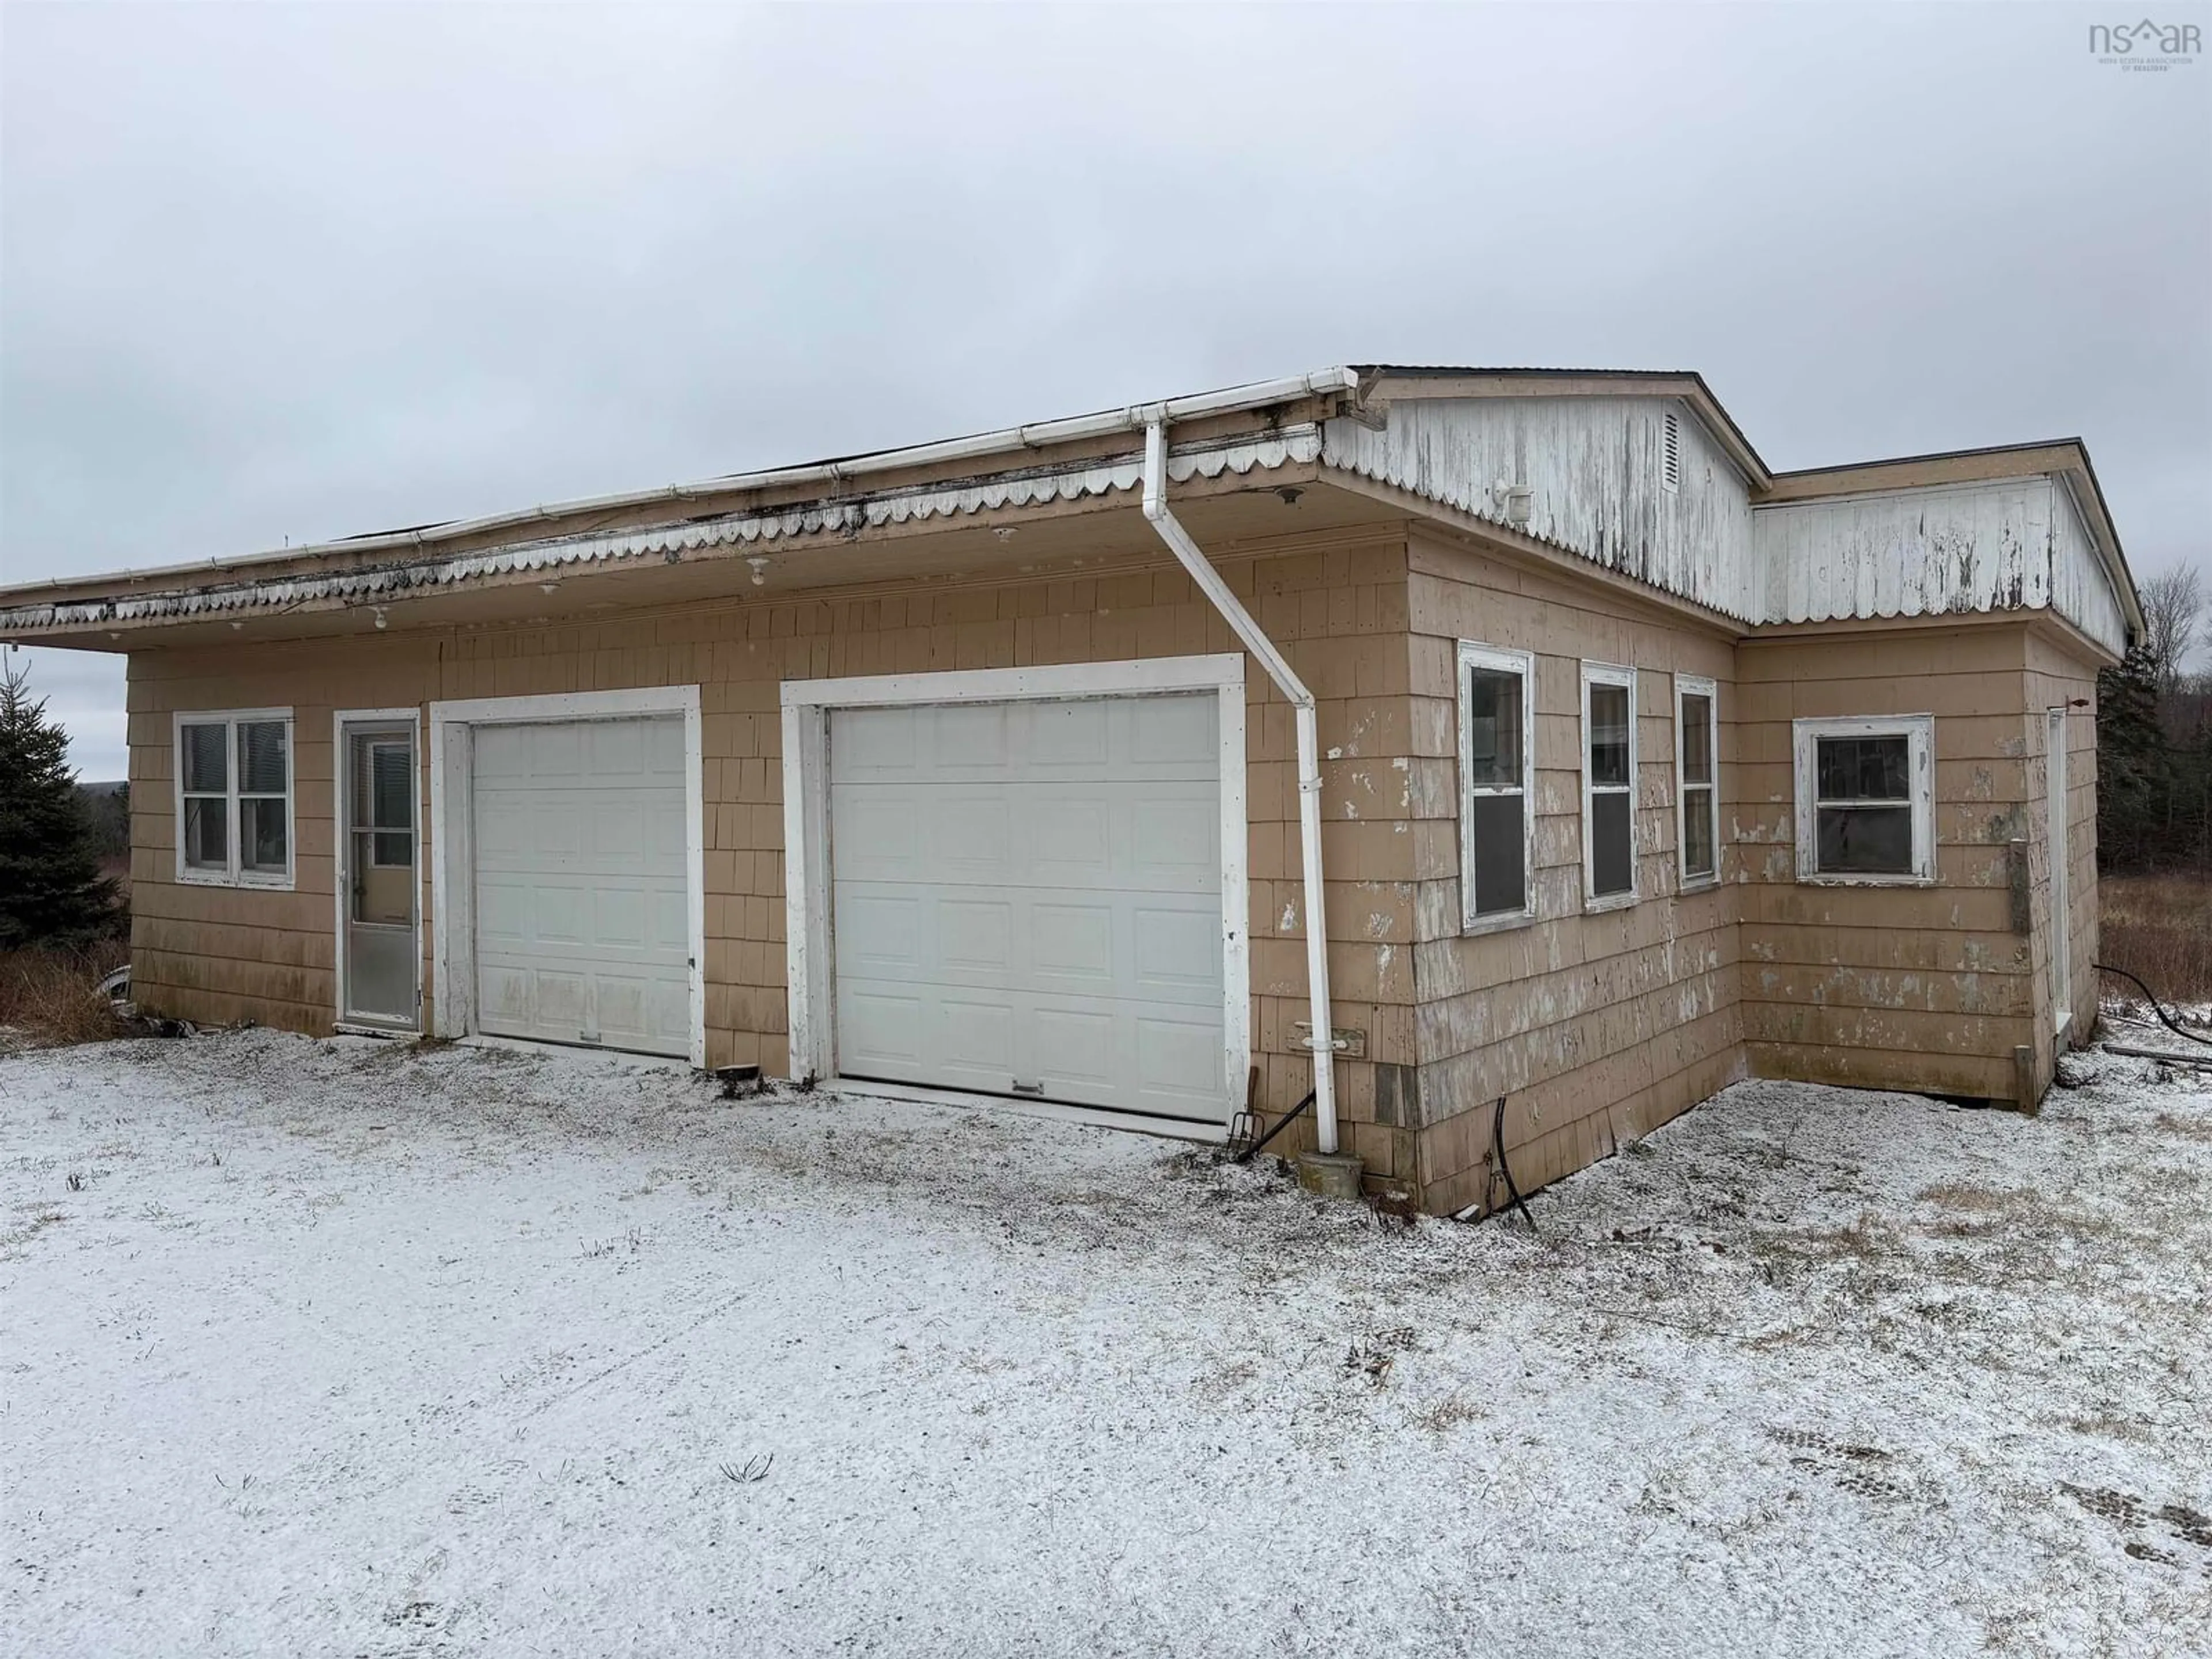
x=1697 y=773
x=1608 y=784
x=1496 y=702
x=234 y=798
x=1865 y=800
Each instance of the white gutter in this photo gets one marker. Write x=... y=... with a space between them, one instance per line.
x=1257 y=394
x=1209 y=581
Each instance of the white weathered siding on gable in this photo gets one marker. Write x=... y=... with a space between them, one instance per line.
x=1594 y=469
x=2009 y=544
x=2080 y=589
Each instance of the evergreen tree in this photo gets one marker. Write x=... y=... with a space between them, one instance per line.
x=51 y=891
x=2131 y=762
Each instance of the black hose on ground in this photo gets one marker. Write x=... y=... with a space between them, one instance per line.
x=2158 y=1007
x=1498 y=1158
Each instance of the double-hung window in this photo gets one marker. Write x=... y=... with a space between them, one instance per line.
x=1866 y=800
x=1496 y=811
x=234 y=798
x=1696 y=778
x=1608 y=785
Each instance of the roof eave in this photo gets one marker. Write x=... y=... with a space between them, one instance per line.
x=836 y=474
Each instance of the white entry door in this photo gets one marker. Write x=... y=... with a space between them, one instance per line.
x=1027 y=899
x=581 y=896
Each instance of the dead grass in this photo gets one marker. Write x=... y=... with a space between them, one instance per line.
x=2160 y=928
x=50 y=997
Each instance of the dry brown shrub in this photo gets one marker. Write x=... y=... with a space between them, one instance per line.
x=50 y=996
x=2159 y=929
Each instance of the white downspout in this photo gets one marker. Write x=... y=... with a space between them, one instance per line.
x=1301 y=703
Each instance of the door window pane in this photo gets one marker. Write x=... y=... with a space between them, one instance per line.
x=392 y=785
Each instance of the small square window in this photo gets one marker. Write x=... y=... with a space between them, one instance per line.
x=1865 y=800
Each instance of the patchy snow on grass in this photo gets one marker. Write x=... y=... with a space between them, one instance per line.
x=355 y=1348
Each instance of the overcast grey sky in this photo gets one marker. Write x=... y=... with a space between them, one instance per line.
x=292 y=272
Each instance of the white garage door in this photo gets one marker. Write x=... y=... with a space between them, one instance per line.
x=1027 y=899
x=582 y=909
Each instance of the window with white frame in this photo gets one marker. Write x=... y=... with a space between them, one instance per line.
x=1866 y=800
x=1497 y=711
x=1696 y=778
x=234 y=798
x=1608 y=784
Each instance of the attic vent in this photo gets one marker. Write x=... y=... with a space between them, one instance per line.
x=1670 y=460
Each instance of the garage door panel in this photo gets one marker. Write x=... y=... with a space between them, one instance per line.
x=1186 y=730
x=1054 y=869
x=970 y=737
x=874 y=836
x=1175 y=951
x=978 y=1038
x=1074 y=1051
x=975 y=934
x=880 y=1031
x=969 y=835
x=1172 y=1057
x=1071 y=941
x=581 y=899
x=1068 y=737
x=1175 y=844
x=880 y=932
x=875 y=743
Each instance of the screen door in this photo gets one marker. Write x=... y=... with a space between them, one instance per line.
x=382 y=948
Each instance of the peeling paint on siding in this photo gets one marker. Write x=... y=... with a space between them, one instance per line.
x=1593 y=468
x=2009 y=545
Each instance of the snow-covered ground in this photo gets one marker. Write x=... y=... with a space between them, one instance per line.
x=344 y=1348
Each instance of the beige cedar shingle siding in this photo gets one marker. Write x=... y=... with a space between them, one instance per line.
x=1597 y=1027
x=1336 y=606
x=1908 y=987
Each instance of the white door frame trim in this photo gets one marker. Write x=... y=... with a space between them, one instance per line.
x=453 y=920
x=810 y=947
x=2058 y=837
x=342 y=850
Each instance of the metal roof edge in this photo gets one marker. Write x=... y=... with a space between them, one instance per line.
x=413 y=572
x=1227 y=400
